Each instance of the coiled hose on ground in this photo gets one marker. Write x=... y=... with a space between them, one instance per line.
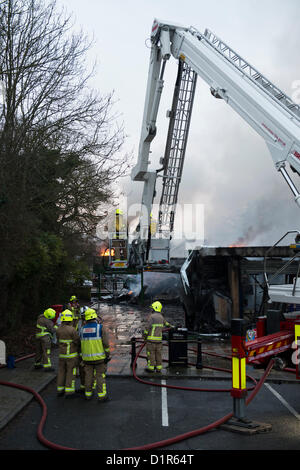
x=209 y=427
x=154 y=445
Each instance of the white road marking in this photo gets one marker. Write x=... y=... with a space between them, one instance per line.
x=283 y=401
x=164 y=405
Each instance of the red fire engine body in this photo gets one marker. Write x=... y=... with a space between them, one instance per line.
x=281 y=343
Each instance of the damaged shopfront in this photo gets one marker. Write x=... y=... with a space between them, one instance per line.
x=220 y=284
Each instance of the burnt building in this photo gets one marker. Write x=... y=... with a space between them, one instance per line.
x=222 y=283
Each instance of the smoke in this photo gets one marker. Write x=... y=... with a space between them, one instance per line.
x=250 y=235
x=160 y=286
x=228 y=167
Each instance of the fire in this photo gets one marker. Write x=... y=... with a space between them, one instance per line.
x=234 y=245
x=107 y=253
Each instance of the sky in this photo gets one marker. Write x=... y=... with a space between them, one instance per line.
x=228 y=169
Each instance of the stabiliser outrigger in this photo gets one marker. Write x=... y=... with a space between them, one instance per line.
x=267 y=109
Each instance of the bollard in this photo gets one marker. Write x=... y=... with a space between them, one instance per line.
x=239 y=390
x=239 y=422
x=133 y=350
x=297 y=343
x=199 y=364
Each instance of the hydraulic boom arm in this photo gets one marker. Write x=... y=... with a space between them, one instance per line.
x=266 y=109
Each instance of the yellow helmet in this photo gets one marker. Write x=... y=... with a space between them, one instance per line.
x=157 y=306
x=73 y=298
x=119 y=212
x=50 y=313
x=89 y=314
x=66 y=315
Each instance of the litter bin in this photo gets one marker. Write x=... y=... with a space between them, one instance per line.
x=178 y=355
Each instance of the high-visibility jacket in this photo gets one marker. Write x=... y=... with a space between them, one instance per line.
x=74 y=307
x=44 y=327
x=94 y=342
x=154 y=327
x=68 y=341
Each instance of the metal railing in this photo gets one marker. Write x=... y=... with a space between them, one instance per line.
x=279 y=271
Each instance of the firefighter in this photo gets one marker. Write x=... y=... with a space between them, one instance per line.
x=119 y=224
x=68 y=342
x=153 y=337
x=153 y=225
x=95 y=354
x=81 y=363
x=74 y=306
x=44 y=333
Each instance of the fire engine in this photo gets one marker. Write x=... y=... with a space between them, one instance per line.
x=267 y=109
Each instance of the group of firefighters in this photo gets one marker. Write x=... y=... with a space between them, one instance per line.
x=84 y=349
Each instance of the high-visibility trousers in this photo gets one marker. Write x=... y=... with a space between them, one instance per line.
x=154 y=355
x=91 y=371
x=66 y=375
x=82 y=377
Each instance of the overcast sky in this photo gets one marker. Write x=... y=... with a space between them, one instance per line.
x=228 y=167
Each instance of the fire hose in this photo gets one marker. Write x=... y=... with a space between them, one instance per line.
x=154 y=445
x=196 y=389
x=210 y=426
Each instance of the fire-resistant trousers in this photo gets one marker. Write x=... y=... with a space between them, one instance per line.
x=99 y=369
x=66 y=375
x=154 y=355
x=43 y=351
x=81 y=375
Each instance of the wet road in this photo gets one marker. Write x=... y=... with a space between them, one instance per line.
x=140 y=414
x=125 y=321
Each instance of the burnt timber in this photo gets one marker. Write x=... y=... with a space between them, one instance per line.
x=231 y=276
x=234 y=274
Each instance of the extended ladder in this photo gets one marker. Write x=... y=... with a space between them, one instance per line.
x=180 y=117
x=251 y=72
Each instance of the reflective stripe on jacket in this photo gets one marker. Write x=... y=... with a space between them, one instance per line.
x=68 y=354
x=93 y=348
x=68 y=341
x=44 y=327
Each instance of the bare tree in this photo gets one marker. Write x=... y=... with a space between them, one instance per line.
x=60 y=141
x=43 y=66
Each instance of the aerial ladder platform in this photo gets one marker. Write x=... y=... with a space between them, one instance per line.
x=266 y=108
x=173 y=161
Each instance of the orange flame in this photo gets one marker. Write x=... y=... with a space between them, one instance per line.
x=107 y=253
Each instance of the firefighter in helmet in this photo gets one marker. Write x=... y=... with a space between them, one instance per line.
x=45 y=330
x=153 y=337
x=74 y=307
x=95 y=354
x=68 y=343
